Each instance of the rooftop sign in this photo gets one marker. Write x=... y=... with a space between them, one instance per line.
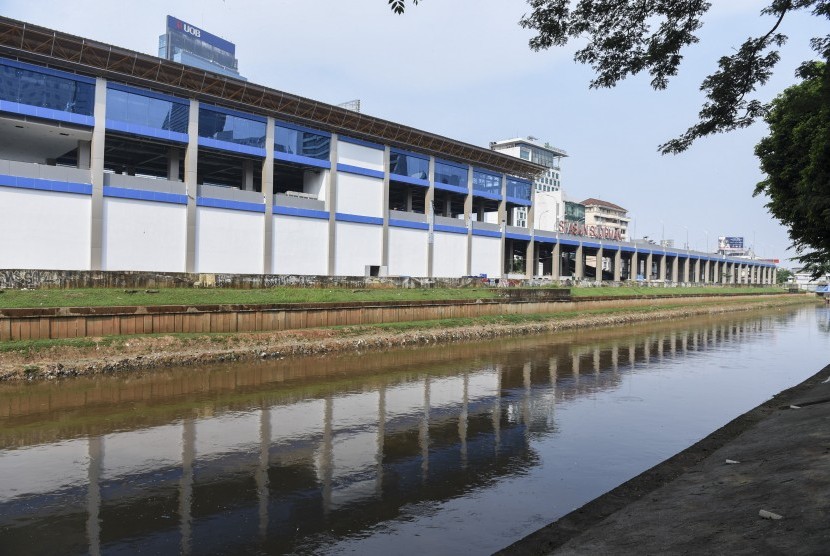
x=175 y=25
x=598 y=232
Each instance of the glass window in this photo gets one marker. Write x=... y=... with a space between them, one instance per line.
x=233 y=129
x=304 y=143
x=487 y=183
x=408 y=165
x=451 y=175
x=151 y=112
x=542 y=157
x=46 y=91
x=524 y=154
x=519 y=189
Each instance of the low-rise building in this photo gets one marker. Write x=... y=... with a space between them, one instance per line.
x=608 y=215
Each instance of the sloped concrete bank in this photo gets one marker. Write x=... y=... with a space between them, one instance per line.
x=148 y=352
x=757 y=485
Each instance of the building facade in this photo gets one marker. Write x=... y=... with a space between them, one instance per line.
x=187 y=44
x=548 y=185
x=114 y=160
x=608 y=215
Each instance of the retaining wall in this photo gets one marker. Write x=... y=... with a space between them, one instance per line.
x=74 y=322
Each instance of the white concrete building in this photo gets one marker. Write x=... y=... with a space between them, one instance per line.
x=609 y=215
x=549 y=201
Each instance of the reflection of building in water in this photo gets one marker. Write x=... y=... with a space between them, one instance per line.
x=301 y=465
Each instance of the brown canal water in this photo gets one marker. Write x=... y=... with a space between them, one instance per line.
x=455 y=449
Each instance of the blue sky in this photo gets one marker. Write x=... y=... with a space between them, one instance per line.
x=465 y=71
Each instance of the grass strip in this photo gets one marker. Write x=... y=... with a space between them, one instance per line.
x=115 y=297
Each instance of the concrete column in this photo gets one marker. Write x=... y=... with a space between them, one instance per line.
x=423 y=433
x=715 y=272
x=96 y=163
x=247 y=175
x=174 y=162
x=649 y=265
x=186 y=484
x=675 y=270
x=269 y=265
x=468 y=218
x=532 y=256
x=384 y=257
x=598 y=264
x=331 y=201
x=380 y=441
x=618 y=265
x=191 y=163
x=706 y=273
x=327 y=454
x=663 y=267
x=429 y=202
x=632 y=267
x=686 y=263
x=93 y=498
x=579 y=266
x=556 y=262
x=697 y=271
x=261 y=477
x=84 y=155
x=503 y=221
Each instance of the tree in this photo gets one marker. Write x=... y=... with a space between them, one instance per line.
x=782 y=276
x=796 y=160
x=626 y=37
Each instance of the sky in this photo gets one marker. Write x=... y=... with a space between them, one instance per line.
x=465 y=71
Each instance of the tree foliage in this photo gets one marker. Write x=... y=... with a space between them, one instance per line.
x=796 y=160
x=782 y=276
x=626 y=37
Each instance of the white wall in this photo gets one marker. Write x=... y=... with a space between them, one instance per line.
x=314 y=183
x=359 y=195
x=356 y=246
x=143 y=235
x=407 y=252
x=449 y=258
x=44 y=229
x=486 y=256
x=300 y=245
x=229 y=241
x=358 y=155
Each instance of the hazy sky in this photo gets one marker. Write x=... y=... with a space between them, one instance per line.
x=465 y=71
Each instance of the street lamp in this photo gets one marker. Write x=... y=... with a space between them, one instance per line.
x=687 y=237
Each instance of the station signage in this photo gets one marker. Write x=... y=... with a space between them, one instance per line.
x=598 y=232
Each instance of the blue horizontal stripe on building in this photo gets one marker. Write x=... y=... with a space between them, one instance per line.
x=142 y=195
x=229 y=205
x=38 y=184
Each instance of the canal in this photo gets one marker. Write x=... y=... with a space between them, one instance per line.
x=453 y=449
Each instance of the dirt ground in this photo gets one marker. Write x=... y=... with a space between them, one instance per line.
x=148 y=352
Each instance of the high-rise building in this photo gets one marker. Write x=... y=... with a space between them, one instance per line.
x=190 y=45
x=550 y=206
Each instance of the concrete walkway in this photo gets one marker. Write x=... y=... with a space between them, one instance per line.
x=699 y=502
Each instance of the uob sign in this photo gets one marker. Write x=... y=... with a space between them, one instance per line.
x=188 y=28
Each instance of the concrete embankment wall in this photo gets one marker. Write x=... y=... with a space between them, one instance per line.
x=68 y=322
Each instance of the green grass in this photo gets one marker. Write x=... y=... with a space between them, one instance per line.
x=113 y=297
x=647 y=291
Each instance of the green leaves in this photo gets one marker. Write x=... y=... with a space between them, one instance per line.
x=796 y=160
x=627 y=37
x=399 y=6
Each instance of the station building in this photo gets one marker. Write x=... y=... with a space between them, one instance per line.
x=116 y=160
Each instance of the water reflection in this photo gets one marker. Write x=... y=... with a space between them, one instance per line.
x=293 y=456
